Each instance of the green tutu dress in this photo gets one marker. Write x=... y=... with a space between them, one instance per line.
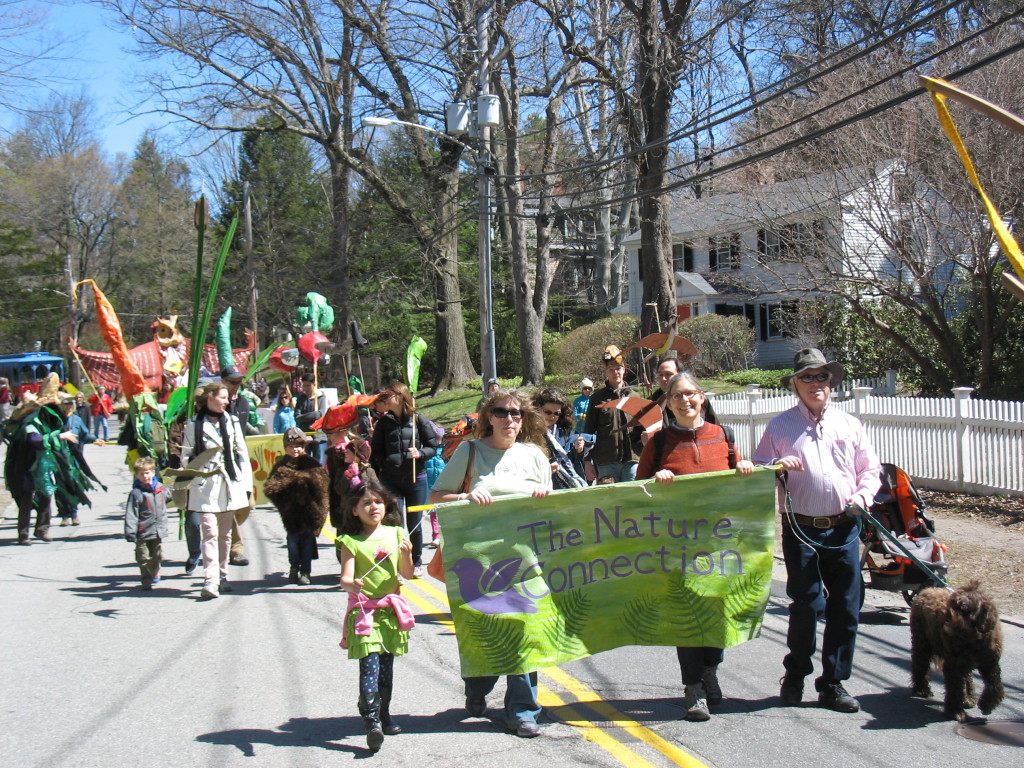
x=386 y=636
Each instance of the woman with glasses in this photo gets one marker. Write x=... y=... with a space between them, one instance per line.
x=507 y=457
x=566 y=449
x=689 y=444
x=401 y=444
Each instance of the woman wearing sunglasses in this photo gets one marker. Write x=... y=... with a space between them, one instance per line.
x=689 y=444
x=566 y=449
x=508 y=456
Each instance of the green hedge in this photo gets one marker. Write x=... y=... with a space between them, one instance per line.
x=767 y=379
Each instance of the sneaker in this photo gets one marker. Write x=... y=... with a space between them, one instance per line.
x=156 y=580
x=25 y=541
x=711 y=686
x=833 y=696
x=476 y=706
x=238 y=560
x=63 y=522
x=304 y=579
x=147 y=586
x=792 y=691
x=209 y=592
x=293 y=575
x=225 y=586
x=527 y=729
x=75 y=521
x=44 y=536
x=696 y=704
x=431 y=545
x=419 y=572
x=190 y=567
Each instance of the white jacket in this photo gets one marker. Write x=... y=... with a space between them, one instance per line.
x=218 y=493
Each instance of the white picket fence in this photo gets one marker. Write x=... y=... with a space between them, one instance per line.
x=944 y=443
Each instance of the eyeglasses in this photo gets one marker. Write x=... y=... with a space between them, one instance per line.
x=504 y=413
x=550 y=413
x=807 y=378
x=678 y=397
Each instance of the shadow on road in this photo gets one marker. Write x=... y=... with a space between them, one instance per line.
x=325 y=732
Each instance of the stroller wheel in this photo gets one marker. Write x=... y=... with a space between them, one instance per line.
x=910 y=594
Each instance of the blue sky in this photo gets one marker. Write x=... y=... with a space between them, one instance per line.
x=97 y=63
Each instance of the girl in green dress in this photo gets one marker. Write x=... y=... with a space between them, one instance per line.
x=374 y=550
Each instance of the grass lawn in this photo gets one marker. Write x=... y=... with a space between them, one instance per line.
x=448 y=406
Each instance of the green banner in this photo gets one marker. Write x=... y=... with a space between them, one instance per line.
x=534 y=583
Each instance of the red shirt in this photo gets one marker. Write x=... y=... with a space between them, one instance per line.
x=687 y=452
x=102 y=405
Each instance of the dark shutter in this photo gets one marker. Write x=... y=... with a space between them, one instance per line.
x=763 y=311
x=640 y=264
x=687 y=257
x=712 y=254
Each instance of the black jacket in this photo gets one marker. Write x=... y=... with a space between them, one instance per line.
x=611 y=444
x=390 y=445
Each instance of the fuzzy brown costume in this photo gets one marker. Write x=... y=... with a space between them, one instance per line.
x=298 y=488
x=960 y=631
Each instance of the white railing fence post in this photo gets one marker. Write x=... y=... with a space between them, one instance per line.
x=860 y=396
x=963 y=434
x=753 y=394
x=890 y=382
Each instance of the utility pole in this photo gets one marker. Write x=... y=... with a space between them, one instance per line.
x=250 y=267
x=488 y=356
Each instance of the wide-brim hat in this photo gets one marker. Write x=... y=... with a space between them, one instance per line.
x=49 y=394
x=808 y=358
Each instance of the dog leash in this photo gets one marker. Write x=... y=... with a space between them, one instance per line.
x=798 y=530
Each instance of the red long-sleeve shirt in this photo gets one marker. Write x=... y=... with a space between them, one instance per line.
x=687 y=452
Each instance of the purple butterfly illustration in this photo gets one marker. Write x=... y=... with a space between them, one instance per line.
x=492 y=591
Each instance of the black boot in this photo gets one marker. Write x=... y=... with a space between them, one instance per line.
x=391 y=728
x=369 y=708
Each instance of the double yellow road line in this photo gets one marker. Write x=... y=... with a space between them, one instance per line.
x=555 y=685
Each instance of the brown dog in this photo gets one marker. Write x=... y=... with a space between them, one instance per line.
x=960 y=631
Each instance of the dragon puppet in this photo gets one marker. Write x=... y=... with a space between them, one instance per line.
x=162 y=362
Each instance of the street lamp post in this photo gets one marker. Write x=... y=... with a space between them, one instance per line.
x=488 y=354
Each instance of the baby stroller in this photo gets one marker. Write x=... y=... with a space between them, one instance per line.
x=901 y=553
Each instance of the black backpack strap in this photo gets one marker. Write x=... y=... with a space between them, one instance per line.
x=659 y=447
x=730 y=440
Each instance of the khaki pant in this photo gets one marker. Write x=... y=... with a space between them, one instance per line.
x=148 y=555
x=237 y=544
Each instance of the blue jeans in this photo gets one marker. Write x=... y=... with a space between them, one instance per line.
x=622 y=471
x=301 y=551
x=812 y=573
x=410 y=493
x=100 y=423
x=520 y=695
x=193 y=536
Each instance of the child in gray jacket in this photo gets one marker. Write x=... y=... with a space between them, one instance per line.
x=145 y=519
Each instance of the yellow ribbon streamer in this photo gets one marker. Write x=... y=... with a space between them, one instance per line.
x=1006 y=241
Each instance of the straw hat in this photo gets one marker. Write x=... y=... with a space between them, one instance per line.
x=49 y=394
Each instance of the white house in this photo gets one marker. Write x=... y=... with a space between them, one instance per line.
x=753 y=253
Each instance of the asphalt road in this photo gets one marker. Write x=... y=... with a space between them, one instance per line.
x=100 y=673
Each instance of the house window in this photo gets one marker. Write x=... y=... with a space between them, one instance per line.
x=724 y=252
x=773 y=319
x=794 y=240
x=682 y=257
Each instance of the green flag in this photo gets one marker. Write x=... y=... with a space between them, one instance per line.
x=534 y=583
x=413 y=355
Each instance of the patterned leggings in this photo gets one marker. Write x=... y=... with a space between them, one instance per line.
x=376 y=670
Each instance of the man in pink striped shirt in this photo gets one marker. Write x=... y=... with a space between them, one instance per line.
x=832 y=474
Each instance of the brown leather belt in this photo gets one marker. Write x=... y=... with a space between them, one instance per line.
x=829 y=521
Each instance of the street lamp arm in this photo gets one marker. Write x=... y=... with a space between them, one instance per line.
x=380 y=122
